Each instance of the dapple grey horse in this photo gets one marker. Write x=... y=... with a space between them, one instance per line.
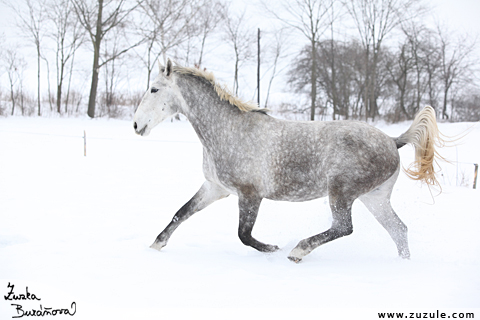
x=254 y=156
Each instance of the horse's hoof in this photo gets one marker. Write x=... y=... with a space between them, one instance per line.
x=297 y=254
x=158 y=245
x=267 y=248
x=404 y=254
x=273 y=249
x=294 y=259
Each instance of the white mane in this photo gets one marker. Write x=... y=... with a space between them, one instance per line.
x=223 y=92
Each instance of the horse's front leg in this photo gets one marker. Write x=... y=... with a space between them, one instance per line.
x=341 y=206
x=208 y=193
x=249 y=205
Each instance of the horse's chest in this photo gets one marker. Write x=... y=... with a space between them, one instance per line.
x=229 y=168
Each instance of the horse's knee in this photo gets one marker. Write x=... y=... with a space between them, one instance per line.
x=345 y=232
x=340 y=231
x=342 y=227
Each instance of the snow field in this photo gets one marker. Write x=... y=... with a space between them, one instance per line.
x=75 y=228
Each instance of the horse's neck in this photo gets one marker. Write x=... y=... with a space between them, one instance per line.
x=211 y=118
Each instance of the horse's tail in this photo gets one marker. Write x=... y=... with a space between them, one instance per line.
x=425 y=136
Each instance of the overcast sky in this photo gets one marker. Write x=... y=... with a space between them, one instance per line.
x=460 y=16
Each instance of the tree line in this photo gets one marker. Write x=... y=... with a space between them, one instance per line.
x=427 y=68
x=388 y=66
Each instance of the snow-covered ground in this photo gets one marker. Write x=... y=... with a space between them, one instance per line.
x=78 y=229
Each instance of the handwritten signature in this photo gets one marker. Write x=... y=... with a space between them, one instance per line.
x=39 y=312
x=12 y=296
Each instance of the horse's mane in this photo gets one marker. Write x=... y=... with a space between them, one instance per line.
x=221 y=89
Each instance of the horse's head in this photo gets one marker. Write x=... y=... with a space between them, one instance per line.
x=161 y=100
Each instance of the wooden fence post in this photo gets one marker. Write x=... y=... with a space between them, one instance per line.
x=475 y=176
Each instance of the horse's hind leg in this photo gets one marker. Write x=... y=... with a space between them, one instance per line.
x=249 y=204
x=378 y=202
x=208 y=193
x=341 y=207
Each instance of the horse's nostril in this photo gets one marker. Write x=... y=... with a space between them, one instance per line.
x=135 y=125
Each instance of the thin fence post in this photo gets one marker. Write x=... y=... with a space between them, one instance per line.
x=475 y=176
x=84 y=143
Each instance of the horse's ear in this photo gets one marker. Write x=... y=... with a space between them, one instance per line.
x=169 y=68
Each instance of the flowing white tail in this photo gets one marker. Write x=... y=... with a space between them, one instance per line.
x=425 y=136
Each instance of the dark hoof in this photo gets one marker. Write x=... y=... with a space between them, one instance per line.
x=267 y=248
x=294 y=259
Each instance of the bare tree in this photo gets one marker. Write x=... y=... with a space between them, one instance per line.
x=166 y=25
x=456 y=63
x=110 y=98
x=334 y=75
x=30 y=21
x=12 y=65
x=468 y=106
x=375 y=19
x=415 y=44
x=68 y=36
x=399 y=67
x=431 y=61
x=339 y=79
x=242 y=39
x=311 y=19
x=98 y=24
x=275 y=53
x=211 y=14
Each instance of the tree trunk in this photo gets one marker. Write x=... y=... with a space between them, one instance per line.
x=59 y=97
x=314 y=82
x=402 y=102
x=201 y=50
x=22 y=102
x=271 y=79
x=367 y=83
x=445 y=100
x=373 y=88
x=12 y=94
x=93 y=88
x=334 y=82
x=38 y=80
x=149 y=70
x=49 y=96
x=69 y=83
x=96 y=58
x=59 y=86
x=235 y=80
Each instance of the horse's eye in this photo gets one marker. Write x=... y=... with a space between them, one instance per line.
x=153 y=90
